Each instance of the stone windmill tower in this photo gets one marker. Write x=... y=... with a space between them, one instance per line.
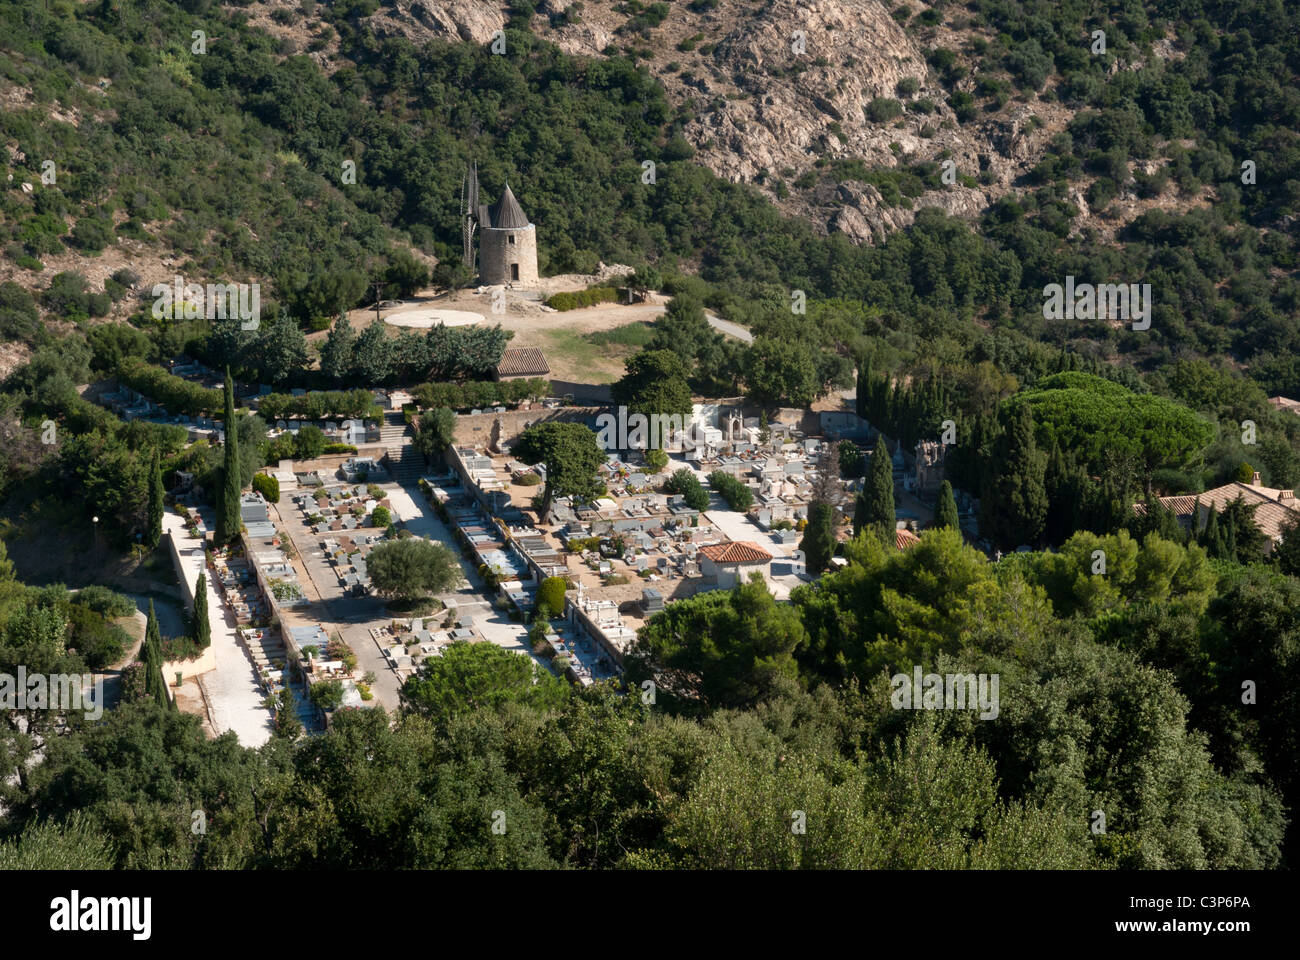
x=507 y=243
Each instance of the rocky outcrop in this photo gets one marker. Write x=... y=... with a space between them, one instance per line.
x=865 y=218
x=473 y=21
x=774 y=90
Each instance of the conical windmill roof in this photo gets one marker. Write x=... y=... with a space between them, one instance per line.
x=506 y=213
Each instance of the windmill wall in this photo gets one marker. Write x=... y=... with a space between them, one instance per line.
x=501 y=249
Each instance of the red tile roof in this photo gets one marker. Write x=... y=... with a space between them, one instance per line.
x=523 y=362
x=905 y=538
x=741 y=551
x=1273 y=508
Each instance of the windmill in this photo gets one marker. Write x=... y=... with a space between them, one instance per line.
x=469 y=214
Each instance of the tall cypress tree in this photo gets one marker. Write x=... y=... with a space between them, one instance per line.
x=1014 y=504
x=228 y=510
x=201 y=627
x=945 y=514
x=151 y=657
x=1212 y=535
x=154 y=533
x=874 y=506
x=818 y=543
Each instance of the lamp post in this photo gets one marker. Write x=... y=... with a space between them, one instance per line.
x=95 y=521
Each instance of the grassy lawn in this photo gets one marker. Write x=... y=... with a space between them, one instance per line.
x=598 y=355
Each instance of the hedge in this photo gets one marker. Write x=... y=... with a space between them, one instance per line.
x=177 y=395
x=320 y=404
x=738 y=496
x=583 y=298
x=479 y=393
x=688 y=485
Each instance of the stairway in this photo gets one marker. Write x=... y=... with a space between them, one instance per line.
x=404 y=463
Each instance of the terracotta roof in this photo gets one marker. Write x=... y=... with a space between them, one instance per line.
x=506 y=213
x=1274 y=508
x=740 y=551
x=905 y=538
x=523 y=362
x=1283 y=403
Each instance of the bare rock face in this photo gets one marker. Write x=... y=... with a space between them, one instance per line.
x=474 y=21
x=807 y=70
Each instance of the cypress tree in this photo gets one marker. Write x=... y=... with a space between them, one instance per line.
x=1212 y=535
x=201 y=628
x=228 y=522
x=151 y=657
x=945 y=515
x=1014 y=505
x=1162 y=522
x=1061 y=513
x=874 y=506
x=818 y=543
x=1287 y=553
x=154 y=533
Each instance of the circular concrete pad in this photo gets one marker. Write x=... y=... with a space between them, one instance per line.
x=425 y=317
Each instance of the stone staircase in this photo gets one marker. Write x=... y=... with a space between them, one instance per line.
x=268 y=651
x=405 y=465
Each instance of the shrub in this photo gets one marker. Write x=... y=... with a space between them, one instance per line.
x=105 y=602
x=381 y=517
x=883 y=109
x=583 y=298
x=551 y=595
x=327 y=694
x=268 y=486
x=99 y=641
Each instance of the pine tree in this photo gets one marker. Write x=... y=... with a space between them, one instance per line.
x=818 y=543
x=155 y=517
x=201 y=626
x=228 y=520
x=1014 y=505
x=945 y=515
x=875 y=503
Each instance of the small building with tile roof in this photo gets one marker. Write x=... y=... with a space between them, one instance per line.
x=1274 y=507
x=727 y=564
x=520 y=363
